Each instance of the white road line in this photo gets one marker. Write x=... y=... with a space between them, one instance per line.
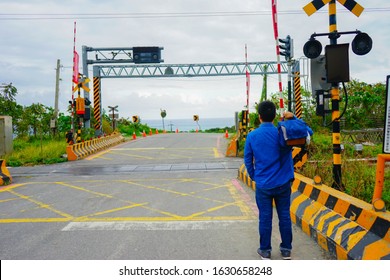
x=169 y=225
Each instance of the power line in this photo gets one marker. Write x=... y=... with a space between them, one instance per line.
x=92 y=16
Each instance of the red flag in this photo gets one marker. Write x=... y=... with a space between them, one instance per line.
x=75 y=77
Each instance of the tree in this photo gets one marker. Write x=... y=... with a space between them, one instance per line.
x=8 y=105
x=36 y=117
x=8 y=92
x=366 y=105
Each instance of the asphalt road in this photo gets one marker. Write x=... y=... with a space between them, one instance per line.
x=167 y=197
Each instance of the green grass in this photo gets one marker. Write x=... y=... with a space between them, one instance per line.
x=34 y=152
x=358 y=176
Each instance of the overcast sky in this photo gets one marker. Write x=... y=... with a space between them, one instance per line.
x=35 y=33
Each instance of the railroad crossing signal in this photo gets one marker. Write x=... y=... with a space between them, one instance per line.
x=312 y=49
x=82 y=85
x=351 y=5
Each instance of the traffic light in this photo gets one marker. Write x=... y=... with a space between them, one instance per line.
x=135 y=119
x=146 y=55
x=288 y=52
x=196 y=118
x=80 y=106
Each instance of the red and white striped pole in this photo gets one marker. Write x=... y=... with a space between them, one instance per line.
x=275 y=24
x=247 y=78
x=73 y=77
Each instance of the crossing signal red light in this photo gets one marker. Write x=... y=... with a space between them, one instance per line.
x=312 y=49
x=362 y=44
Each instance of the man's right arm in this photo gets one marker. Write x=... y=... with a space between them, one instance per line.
x=248 y=158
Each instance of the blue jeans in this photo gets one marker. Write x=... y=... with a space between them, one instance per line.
x=281 y=196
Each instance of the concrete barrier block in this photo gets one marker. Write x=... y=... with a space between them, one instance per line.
x=5 y=175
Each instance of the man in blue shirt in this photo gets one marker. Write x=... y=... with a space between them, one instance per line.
x=269 y=163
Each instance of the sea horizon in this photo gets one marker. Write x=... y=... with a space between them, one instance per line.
x=189 y=124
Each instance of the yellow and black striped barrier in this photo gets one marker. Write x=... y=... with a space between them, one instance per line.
x=299 y=157
x=5 y=176
x=345 y=226
x=86 y=148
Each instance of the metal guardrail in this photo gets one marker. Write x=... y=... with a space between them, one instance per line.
x=373 y=135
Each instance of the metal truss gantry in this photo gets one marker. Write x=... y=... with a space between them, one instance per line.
x=114 y=63
x=186 y=70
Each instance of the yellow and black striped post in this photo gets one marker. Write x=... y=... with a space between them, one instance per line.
x=297 y=91
x=97 y=104
x=245 y=118
x=335 y=96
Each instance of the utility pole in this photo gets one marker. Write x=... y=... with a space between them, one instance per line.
x=53 y=123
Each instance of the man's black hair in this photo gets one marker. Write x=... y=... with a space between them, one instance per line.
x=267 y=111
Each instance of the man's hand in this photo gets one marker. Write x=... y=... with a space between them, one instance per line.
x=288 y=115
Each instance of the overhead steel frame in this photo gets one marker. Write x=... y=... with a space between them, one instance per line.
x=120 y=56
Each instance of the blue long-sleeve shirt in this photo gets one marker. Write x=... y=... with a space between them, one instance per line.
x=267 y=158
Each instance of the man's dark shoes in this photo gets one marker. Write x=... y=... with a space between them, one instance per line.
x=286 y=254
x=265 y=255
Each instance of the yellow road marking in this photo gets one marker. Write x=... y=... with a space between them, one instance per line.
x=10 y=187
x=174 y=192
x=166 y=216
x=40 y=204
x=35 y=220
x=10 y=199
x=131 y=155
x=98 y=155
x=212 y=209
x=137 y=149
x=84 y=218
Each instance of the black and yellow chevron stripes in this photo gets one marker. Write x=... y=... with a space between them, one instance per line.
x=298 y=96
x=314 y=6
x=299 y=157
x=97 y=102
x=346 y=227
x=352 y=6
